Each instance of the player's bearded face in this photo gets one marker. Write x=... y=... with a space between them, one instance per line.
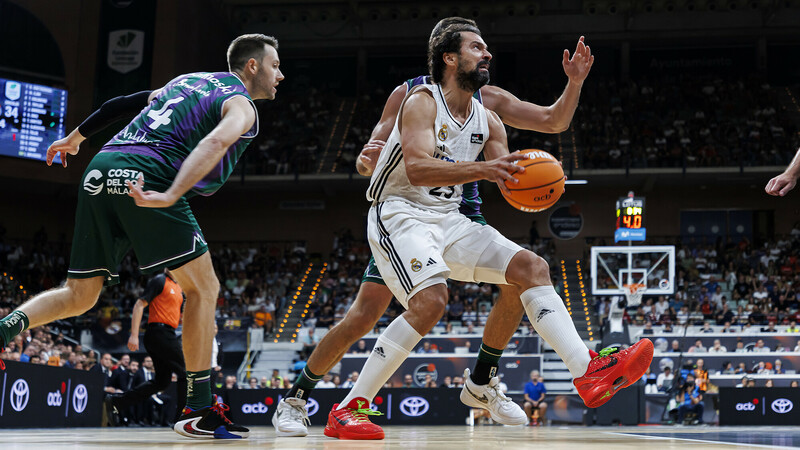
x=472 y=79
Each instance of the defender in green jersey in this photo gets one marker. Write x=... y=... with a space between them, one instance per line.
x=186 y=141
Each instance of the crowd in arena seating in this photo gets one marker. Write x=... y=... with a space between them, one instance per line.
x=671 y=120
x=736 y=286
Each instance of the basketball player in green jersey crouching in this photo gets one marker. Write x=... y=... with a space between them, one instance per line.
x=185 y=141
x=374 y=297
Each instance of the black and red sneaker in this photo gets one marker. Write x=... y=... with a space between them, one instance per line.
x=612 y=370
x=209 y=423
x=352 y=421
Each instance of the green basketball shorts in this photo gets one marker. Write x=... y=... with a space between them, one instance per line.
x=108 y=223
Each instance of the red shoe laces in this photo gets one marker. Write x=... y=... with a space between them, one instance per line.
x=220 y=409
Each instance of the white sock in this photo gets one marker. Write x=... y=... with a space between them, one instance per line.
x=550 y=319
x=391 y=349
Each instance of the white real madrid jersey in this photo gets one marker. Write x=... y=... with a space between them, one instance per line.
x=454 y=142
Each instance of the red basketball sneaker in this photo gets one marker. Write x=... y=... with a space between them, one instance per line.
x=351 y=422
x=612 y=370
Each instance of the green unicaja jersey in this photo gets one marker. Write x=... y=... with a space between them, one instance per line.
x=186 y=110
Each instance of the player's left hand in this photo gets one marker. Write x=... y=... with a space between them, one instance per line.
x=370 y=153
x=65 y=146
x=148 y=199
x=578 y=66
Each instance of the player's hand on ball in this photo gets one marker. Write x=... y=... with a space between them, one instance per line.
x=502 y=169
x=370 y=153
x=148 y=199
x=781 y=185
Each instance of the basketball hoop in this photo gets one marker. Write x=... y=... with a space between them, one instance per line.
x=633 y=293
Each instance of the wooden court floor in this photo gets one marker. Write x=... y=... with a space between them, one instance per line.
x=431 y=437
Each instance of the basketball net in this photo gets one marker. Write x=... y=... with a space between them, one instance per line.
x=633 y=293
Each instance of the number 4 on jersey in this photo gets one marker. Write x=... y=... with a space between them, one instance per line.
x=161 y=116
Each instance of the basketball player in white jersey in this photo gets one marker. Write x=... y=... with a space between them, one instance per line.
x=419 y=239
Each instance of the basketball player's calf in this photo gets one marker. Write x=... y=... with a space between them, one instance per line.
x=348 y=419
x=481 y=388
x=596 y=376
x=290 y=418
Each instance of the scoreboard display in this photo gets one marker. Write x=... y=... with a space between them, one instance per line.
x=31 y=118
x=630 y=212
x=630 y=219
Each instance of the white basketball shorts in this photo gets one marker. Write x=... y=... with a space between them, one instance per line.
x=416 y=248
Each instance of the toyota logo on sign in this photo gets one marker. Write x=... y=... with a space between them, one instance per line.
x=414 y=406
x=19 y=395
x=782 y=405
x=312 y=407
x=80 y=398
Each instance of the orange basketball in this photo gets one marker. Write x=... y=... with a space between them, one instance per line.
x=540 y=186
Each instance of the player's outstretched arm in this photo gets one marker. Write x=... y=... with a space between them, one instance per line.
x=785 y=182
x=111 y=111
x=365 y=163
x=551 y=119
x=419 y=141
x=238 y=116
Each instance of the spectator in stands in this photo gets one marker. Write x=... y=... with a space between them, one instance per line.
x=309 y=342
x=690 y=400
x=726 y=328
x=793 y=327
x=743 y=383
x=725 y=317
x=762 y=369
x=664 y=379
x=408 y=381
x=778 y=367
x=252 y=383
x=662 y=306
x=727 y=368
x=447 y=382
x=104 y=367
x=740 y=347
x=751 y=382
x=741 y=369
x=769 y=383
x=429 y=381
x=760 y=347
x=794 y=384
x=675 y=347
x=230 y=382
x=326 y=382
x=649 y=380
x=337 y=380
x=648 y=329
x=469 y=316
x=797 y=347
x=263 y=383
x=698 y=347
x=351 y=380
x=427 y=348
x=717 y=347
x=770 y=328
x=667 y=327
x=361 y=348
x=701 y=375
x=534 y=404
x=706 y=328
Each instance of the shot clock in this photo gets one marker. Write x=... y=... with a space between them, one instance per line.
x=630 y=219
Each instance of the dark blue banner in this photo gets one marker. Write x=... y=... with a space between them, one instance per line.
x=37 y=396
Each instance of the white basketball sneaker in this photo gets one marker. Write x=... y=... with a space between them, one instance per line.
x=491 y=398
x=291 y=418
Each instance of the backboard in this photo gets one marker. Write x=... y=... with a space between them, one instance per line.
x=614 y=267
